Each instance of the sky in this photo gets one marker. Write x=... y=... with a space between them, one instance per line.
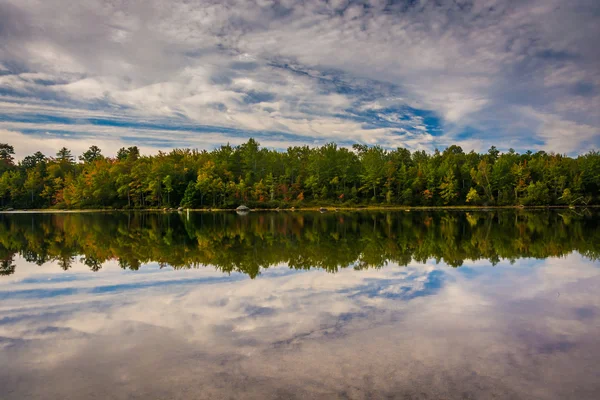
x=418 y=74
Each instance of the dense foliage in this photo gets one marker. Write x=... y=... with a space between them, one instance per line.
x=301 y=176
x=234 y=243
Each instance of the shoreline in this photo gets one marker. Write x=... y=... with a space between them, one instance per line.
x=313 y=209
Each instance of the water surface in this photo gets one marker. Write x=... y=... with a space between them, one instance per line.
x=419 y=305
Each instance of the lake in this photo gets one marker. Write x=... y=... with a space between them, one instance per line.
x=297 y=305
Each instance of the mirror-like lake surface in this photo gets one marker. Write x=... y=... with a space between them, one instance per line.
x=364 y=305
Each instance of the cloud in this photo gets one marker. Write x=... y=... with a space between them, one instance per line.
x=562 y=136
x=305 y=70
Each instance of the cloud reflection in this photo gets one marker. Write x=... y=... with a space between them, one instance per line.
x=422 y=330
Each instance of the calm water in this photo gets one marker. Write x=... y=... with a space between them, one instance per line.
x=407 y=305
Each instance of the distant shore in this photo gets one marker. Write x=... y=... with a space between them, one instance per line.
x=292 y=209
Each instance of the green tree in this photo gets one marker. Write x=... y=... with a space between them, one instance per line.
x=373 y=162
x=34 y=160
x=168 y=182
x=449 y=188
x=94 y=153
x=64 y=155
x=190 y=197
x=473 y=197
x=6 y=157
x=230 y=175
x=537 y=194
x=482 y=177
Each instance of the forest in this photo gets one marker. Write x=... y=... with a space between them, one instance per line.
x=301 y=240
x=304 y=176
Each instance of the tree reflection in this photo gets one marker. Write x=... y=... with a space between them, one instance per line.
x=330 y=241
x=7 y=266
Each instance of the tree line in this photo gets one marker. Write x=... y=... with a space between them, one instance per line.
x=330 y=241
x=301 y=176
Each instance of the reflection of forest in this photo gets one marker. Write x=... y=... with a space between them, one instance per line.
x=231 y=242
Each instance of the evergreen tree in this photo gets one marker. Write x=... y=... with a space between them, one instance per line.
x=300 y=176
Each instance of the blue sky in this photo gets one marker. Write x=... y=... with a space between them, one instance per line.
x=416 y=74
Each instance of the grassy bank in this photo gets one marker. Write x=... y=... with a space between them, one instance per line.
x=310 y=208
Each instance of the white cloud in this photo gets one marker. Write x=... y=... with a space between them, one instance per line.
x=311 y=64
x=562 y=136
x=49 y=144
